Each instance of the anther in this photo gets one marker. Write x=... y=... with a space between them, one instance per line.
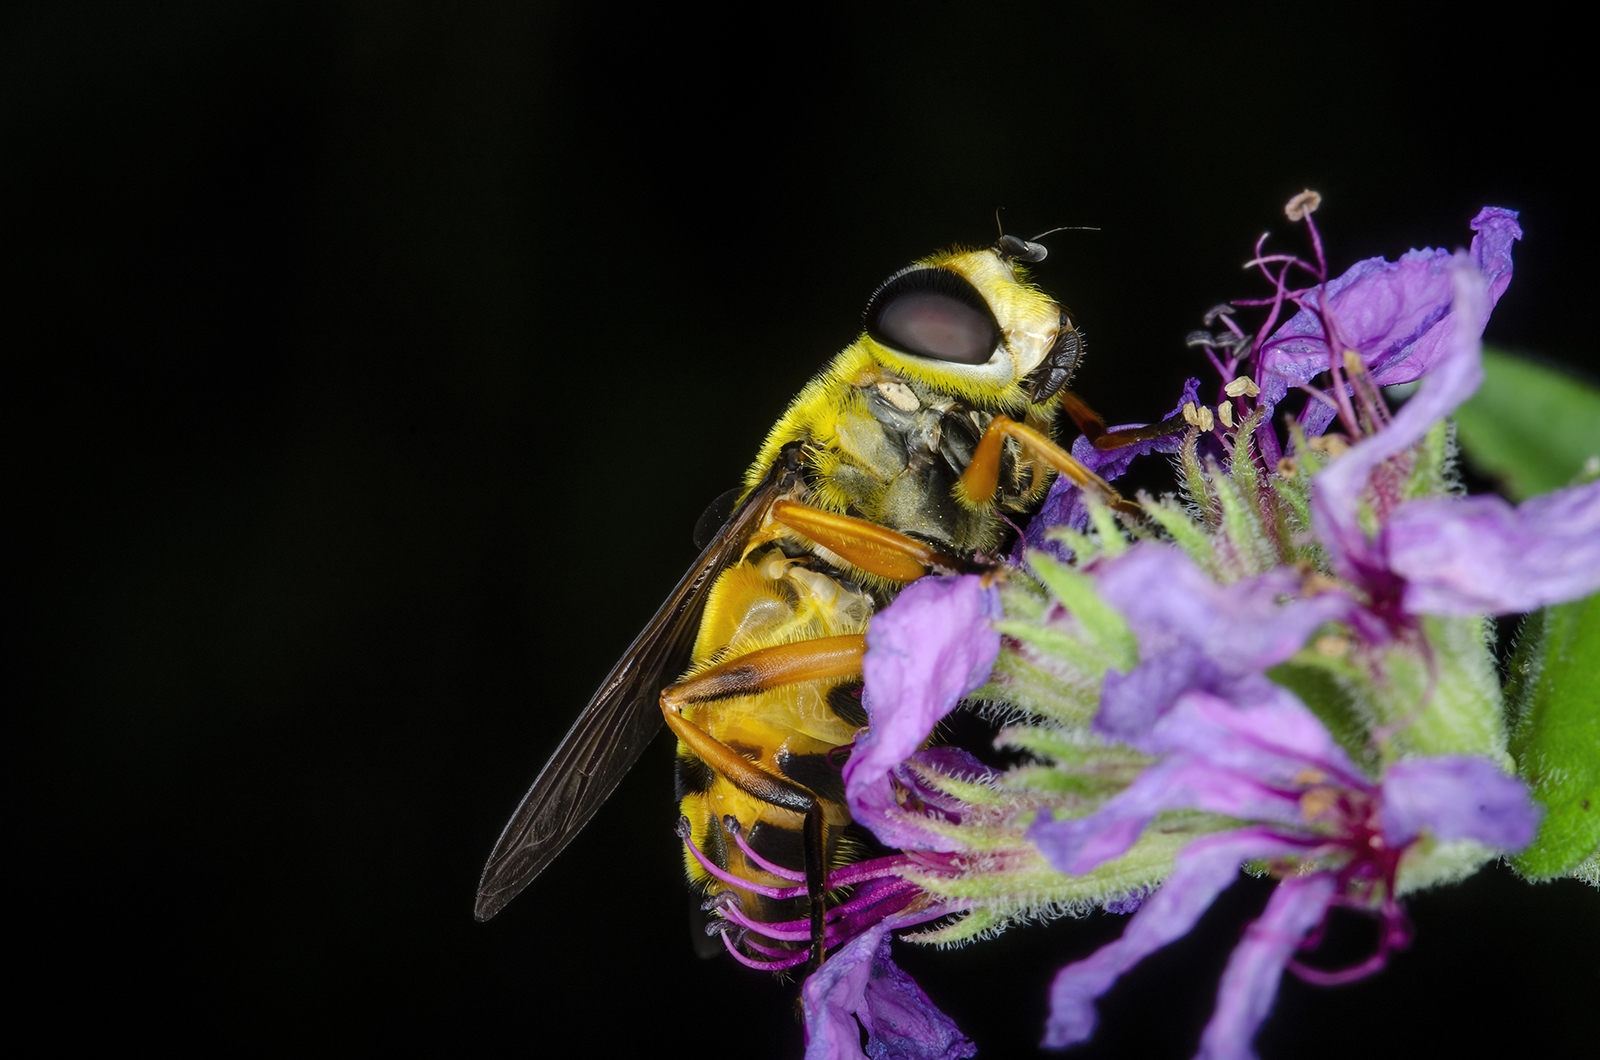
x=1197 y=416
x=1287 y=466
x=1223 y=310
x=683 y=828
x=1225 y=413
x=1303 y=204
x=1352 y=362
x=1331 y=647
x=1243 y=386
x=730 y=824
x=1332 y=444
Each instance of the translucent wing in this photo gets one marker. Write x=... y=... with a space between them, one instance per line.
x=621 y=719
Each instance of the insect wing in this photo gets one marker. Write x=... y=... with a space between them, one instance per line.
x=619 y=722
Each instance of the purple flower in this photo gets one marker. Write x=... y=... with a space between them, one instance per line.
x=861 y=982
x=1452 y=555
x=925 y=651
x=1397 y=315
x=1334 y=837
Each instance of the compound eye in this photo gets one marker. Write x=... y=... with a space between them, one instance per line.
x=933 y=313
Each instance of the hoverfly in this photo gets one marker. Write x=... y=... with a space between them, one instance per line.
x=900 y=459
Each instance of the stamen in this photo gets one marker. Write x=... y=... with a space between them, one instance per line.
x=861 y=871
x=730 y=824
x=1225 y=413
x=1197 y=416
x=1243 y=386
x=685 y=833
x=874 y=898
x=1395 y=935
x=782 y=930
x=1303 y=205
x=800 y=957
x=1331 y=647
x=1332 y=444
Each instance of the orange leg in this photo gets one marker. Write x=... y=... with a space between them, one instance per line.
x=983 y=473
x=875 y=549
x=820 y=658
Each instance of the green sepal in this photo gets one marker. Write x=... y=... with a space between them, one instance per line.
x=1185 y=532
x=1111 y=540
x=1103 y=623
x=1555 y=691
x=1529 y=426
x=1330 y=700
x=1065 y=644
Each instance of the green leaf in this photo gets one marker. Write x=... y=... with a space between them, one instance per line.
x=1556 y=682
x=1529 y=426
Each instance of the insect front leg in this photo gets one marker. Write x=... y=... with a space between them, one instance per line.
x=1094 y=428
x=982 y=476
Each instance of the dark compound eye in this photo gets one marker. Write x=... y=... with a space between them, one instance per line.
x=933 y=313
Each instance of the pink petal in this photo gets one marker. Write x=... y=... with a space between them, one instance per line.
x=1479 y=555
x=1457 y=797
x=1203 y=869
x=1250 y=982
x=925 y=651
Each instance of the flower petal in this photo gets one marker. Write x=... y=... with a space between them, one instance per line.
x=903 y=822
x=1268 y=734
x=1335 y=502
x=1196 y=634
x=1479 y=555
x=925 y=651
x=861 y=981
x=1077 y=845
x=1202 y=870
x=1457 y=797
x=1250 y=982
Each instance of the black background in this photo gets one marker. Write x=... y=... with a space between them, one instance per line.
x=368 y=364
